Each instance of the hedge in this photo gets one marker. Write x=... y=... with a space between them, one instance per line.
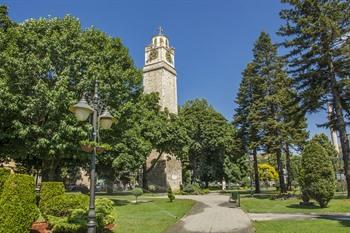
x=4 y=174
x=77 y=220
x=17 y=204
x=63 y=205
x=49 y=190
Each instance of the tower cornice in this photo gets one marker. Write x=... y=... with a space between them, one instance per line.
x=159 y=65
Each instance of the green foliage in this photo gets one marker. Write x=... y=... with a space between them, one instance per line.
x=104 y=208
x=212 y=146
x=17 y=204
x=62 y=205
x=317 y=40
x=137 y=192
x=317 y=176
x=53 y=61
x=5 y=21
x=50 y=190
x=267 y=172
x=76 y=221
x=62 y=225
x=268 y=116
x=194 y=189
x=4 y=174
x=171 y=195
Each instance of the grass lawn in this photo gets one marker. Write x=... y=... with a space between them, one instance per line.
x=155 y=216
x=265 y=205
x=303 y=226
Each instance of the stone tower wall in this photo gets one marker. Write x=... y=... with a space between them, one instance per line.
x=159 y=75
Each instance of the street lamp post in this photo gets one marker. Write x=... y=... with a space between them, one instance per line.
x=82 y=111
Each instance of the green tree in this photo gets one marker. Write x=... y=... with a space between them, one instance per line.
x=211 y=137
x=267 y=112
x=323 y=140
x=45 y=66
x=5 y=21
x=247 y=116
x=317 y=176
x=317 y=34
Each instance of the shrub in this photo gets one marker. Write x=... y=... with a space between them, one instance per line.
x=77 y=220
x=317 y=175
x=152 y=188
x=267 y=172
x=4 y=174
x=17 y=205
x=193 y=189
x=50 y=190
x=171 y=195
x=62 y=225
x=63 y=205
x=137 y=192
x=104 y=208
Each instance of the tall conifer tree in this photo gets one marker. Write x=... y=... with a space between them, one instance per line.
x=268 y=116
x=317 y=34
x=246 y=117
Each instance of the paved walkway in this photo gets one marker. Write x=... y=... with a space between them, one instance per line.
x=212 y=214
x=295 y=216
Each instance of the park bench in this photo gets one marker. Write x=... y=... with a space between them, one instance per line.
x=235 y=198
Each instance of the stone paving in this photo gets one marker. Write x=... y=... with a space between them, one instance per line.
x=213 y=213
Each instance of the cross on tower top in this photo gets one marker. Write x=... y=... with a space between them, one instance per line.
x=160 y=31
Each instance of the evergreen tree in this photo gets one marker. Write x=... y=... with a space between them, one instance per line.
x=317 y=36
x=247 y=117
x=323 y=140
x=317 y=176
x=268 y=106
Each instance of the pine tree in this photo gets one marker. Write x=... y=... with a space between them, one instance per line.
x=317 y=36
x=268 y=114
x=246 y=117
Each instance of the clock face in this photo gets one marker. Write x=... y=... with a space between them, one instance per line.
x=168 y=57
x=153 y=55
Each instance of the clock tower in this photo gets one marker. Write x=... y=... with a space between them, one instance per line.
x=159 y=75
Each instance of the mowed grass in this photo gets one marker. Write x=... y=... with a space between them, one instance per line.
x=303 y=226
x=154 y=216
x=265 y=205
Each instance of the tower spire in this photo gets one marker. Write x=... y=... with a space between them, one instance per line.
x=160 y=31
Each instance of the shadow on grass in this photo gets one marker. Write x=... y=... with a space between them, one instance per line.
x=304 y=207
x=342 y=219
x=117 y=202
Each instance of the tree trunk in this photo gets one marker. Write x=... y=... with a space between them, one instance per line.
x=50 y=171
x=256 y=172
x=280 y=171
x=109 y=186
x=288 y=168
x=340 y=125
x=144 y=177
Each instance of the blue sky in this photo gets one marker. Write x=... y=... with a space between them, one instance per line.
x=213 y=38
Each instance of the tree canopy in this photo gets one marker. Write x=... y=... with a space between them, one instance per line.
x=45 y=66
